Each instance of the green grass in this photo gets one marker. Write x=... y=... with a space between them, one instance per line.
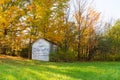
x=14 y=69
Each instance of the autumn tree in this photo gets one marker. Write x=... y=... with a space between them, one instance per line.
x=86 y=19
x=8 y=17
x=12 y=26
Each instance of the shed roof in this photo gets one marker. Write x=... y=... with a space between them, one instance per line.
x=46 y=40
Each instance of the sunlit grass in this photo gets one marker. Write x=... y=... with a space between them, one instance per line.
x=18 y=69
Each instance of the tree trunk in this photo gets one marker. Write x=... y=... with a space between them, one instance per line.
x=4 y=50
x=30 y=50
x=79 y=50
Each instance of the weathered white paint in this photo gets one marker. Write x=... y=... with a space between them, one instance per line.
x=41 y=50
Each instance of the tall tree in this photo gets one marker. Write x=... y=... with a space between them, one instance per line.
x=86 y=19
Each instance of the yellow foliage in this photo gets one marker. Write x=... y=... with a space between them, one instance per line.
x=4 y=1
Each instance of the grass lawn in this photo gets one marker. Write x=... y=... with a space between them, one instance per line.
x=21 y=69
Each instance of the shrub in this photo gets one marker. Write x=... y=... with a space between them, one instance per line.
x=107 y=57
x=24 y=53
x=62 y=56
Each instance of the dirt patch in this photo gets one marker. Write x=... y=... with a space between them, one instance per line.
x=10 y=57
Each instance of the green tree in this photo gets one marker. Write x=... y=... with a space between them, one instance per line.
x=113 y=36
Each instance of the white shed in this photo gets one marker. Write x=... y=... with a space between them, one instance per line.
x=41 y=49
